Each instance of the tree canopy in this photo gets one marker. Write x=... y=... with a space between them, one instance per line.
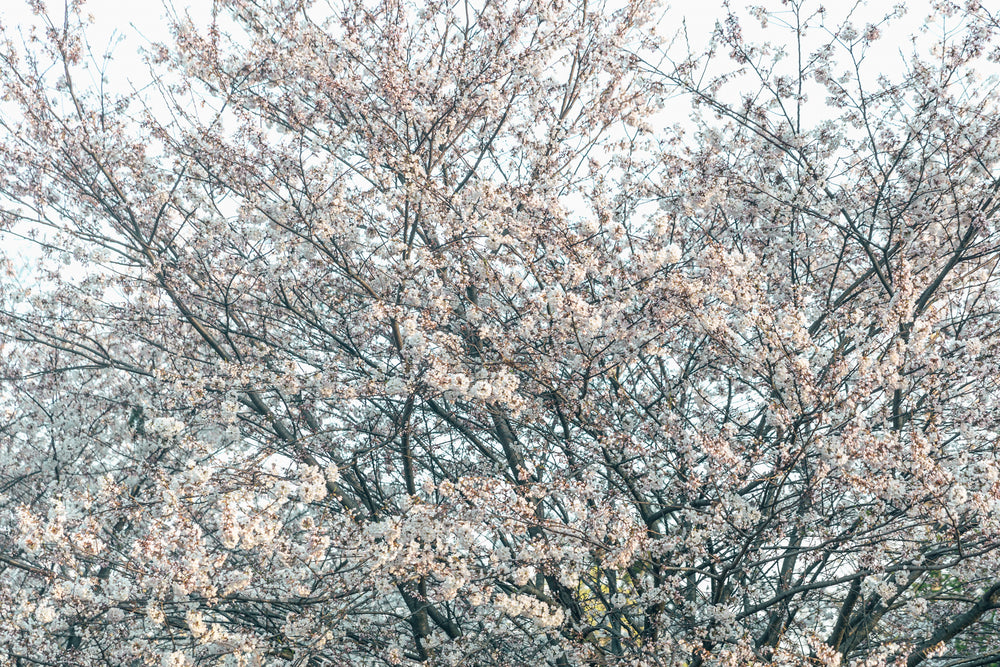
x=523 y=332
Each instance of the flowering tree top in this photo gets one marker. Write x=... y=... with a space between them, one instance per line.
x=501 y=333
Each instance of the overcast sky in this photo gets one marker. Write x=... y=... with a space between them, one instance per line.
x=138 y=22
x=142 y=21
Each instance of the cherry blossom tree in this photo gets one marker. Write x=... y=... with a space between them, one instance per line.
x=501 y=333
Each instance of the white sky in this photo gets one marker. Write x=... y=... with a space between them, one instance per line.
x=135 y=23
x=146 y=17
